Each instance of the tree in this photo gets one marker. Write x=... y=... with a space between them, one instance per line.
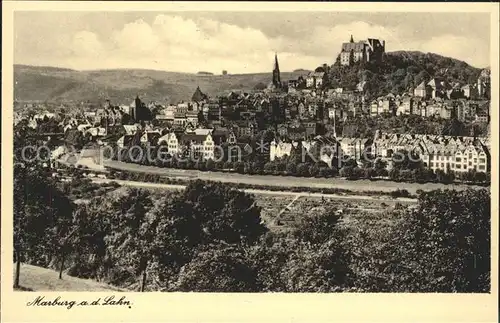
x=200 y=165
x=239 y=166
x=225 y=214
x=368 y=173
x=260 y=86
x=248 y=168
x=67 y=236
x=127 y=241
x=303 y=170
x=291 y=167
x=318 y=227
x=327 y=172
x=316 y=268
x=406 y=160
x=314 y=170
x=210 y=165
x=175 y=234
x=270 y=167
x=219 y=268
x=394 y=174
x=228 y=165
x=39 y=207
x=380 y=167
x=444 y=244
x=318 y=261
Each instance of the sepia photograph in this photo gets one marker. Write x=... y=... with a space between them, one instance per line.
x=209 y=152
x=227 y=151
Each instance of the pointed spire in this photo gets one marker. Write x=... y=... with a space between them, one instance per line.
x=276 y=73
x=352 y=39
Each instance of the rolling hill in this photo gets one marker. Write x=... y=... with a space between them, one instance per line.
x=398 y=72
x=33 y=83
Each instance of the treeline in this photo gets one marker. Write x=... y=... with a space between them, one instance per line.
x=81 y=185
x=211 y=238
x=405 y=166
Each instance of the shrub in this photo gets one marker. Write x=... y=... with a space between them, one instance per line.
x=400 y=193
x=303 y=170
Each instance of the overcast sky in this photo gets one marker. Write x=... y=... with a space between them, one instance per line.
x=238 y=42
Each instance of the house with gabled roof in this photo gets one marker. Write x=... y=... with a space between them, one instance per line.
x=125 y=140
x=315 y=79
x=198 y=145
x=439 y=88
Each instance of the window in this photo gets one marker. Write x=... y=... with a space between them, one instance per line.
x=481 y=167
x=458 y=166
x=442 y=165
x=470 y=155
x=482 y=160
x=470 y=163
x=458 y=159
x=475 y=160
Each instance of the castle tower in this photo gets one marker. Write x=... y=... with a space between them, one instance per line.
x=276 y=73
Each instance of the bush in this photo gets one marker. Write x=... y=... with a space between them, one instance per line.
x=303 y=170
x=239 y=167
x=400 y=193
x=210 y=165
x=291 y=168
x=325 y=172
x=313 y=170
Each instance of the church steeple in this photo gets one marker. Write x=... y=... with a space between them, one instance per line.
x=352 y=39
x=276 y=72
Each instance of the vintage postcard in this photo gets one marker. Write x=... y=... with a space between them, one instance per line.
x=249 y=162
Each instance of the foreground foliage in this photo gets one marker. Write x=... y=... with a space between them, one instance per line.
x=210 y=238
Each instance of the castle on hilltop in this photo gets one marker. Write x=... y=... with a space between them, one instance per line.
x=364 y=50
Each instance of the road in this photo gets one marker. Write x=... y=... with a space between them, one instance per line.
x=286 y=181
x=265 y=192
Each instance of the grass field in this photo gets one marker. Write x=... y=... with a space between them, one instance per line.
x=286 y=181
x=33 y=278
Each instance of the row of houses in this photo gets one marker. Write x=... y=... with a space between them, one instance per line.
x=445 y=153
x=200 y=142
x=328 y=148
x=444 y=109
x=440 y=88
x=458 y=154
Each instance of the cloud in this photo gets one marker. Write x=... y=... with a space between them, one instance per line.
x=86 y=44
x=182 y=44
x=136 y=38
x=177 y=43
